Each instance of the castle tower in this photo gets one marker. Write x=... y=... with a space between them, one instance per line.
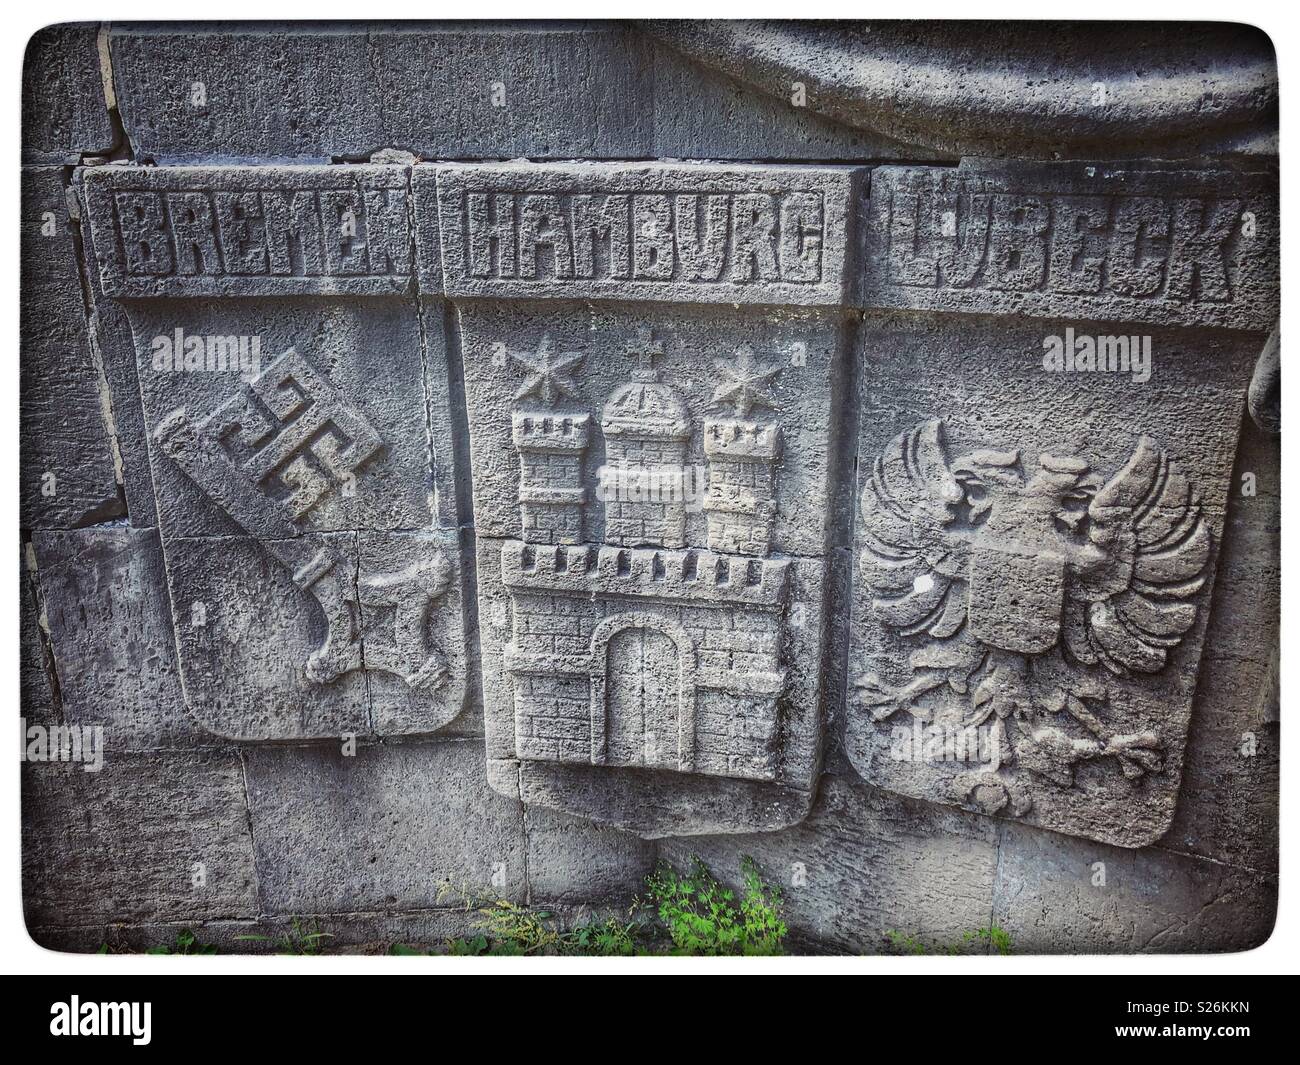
x=551 y=444
x=742 y=452
x=647 y=428
x=551 y=493
x=741 y=497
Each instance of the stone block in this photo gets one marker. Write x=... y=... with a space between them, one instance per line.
x=105 y=596
x=1149 y=242
x=319 y=94
x=673 y=232
x=571 y=861
x=65 y=114
x=250 y=231
x=702 y=113
x=67 y=475
x=150 y=837
x=1056 y=895
x=391 y=828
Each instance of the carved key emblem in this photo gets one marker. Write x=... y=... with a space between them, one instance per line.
x=268 y=456
x=1027 y=584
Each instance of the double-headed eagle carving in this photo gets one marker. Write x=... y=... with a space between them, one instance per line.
x=1029 y=586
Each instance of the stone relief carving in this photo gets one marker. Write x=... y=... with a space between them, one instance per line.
x=267 y=456
x=650 y=456
x=640 y=651
x=1025 y=583
x=310 y=536
x=651 y=450
x=1112 y=242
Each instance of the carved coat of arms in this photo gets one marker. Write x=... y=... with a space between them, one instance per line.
x=1023 y=584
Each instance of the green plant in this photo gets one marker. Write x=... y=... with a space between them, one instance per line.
x=905 y=944
x=609 y=938
x=468 y=948
x=300 y=938
x=516 y=929
x=702 y=917
x=184 y=943
x=998 y=938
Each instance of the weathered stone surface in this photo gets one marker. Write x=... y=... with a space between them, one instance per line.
x=1034 y=575
x=1142 y=243
x=572 y=861
x=863 y=864
x=743 y=461
x=702 y=113
x=1056 y=895
x=314 y=94
x=1228 y=808
x=105 y=595
x=650 y=561
x=64 y=111
x=388 y=829
x=996 y=89
x=691 y=233
x=66 y=470
x=242 y=231
x=36 y=695
x=147 y=838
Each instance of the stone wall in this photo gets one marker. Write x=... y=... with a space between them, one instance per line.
x=299 y=536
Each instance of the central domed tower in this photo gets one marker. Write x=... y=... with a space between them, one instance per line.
x=647 y=428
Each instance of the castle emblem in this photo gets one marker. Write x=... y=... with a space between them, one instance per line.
x=640 y=651
x=1028 y=585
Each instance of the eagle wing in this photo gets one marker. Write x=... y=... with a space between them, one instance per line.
x=1130 y=599
x=913 y=562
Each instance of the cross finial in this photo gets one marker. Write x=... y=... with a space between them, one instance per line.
x=645 y=349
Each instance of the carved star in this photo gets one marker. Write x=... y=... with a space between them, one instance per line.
x=549 y=376
x=746 y=383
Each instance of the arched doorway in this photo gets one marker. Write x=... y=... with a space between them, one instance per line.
x=642 y=693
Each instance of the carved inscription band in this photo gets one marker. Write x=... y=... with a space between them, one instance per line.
x=1186 y=248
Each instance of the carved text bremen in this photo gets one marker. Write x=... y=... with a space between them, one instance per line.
x=336 y=232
